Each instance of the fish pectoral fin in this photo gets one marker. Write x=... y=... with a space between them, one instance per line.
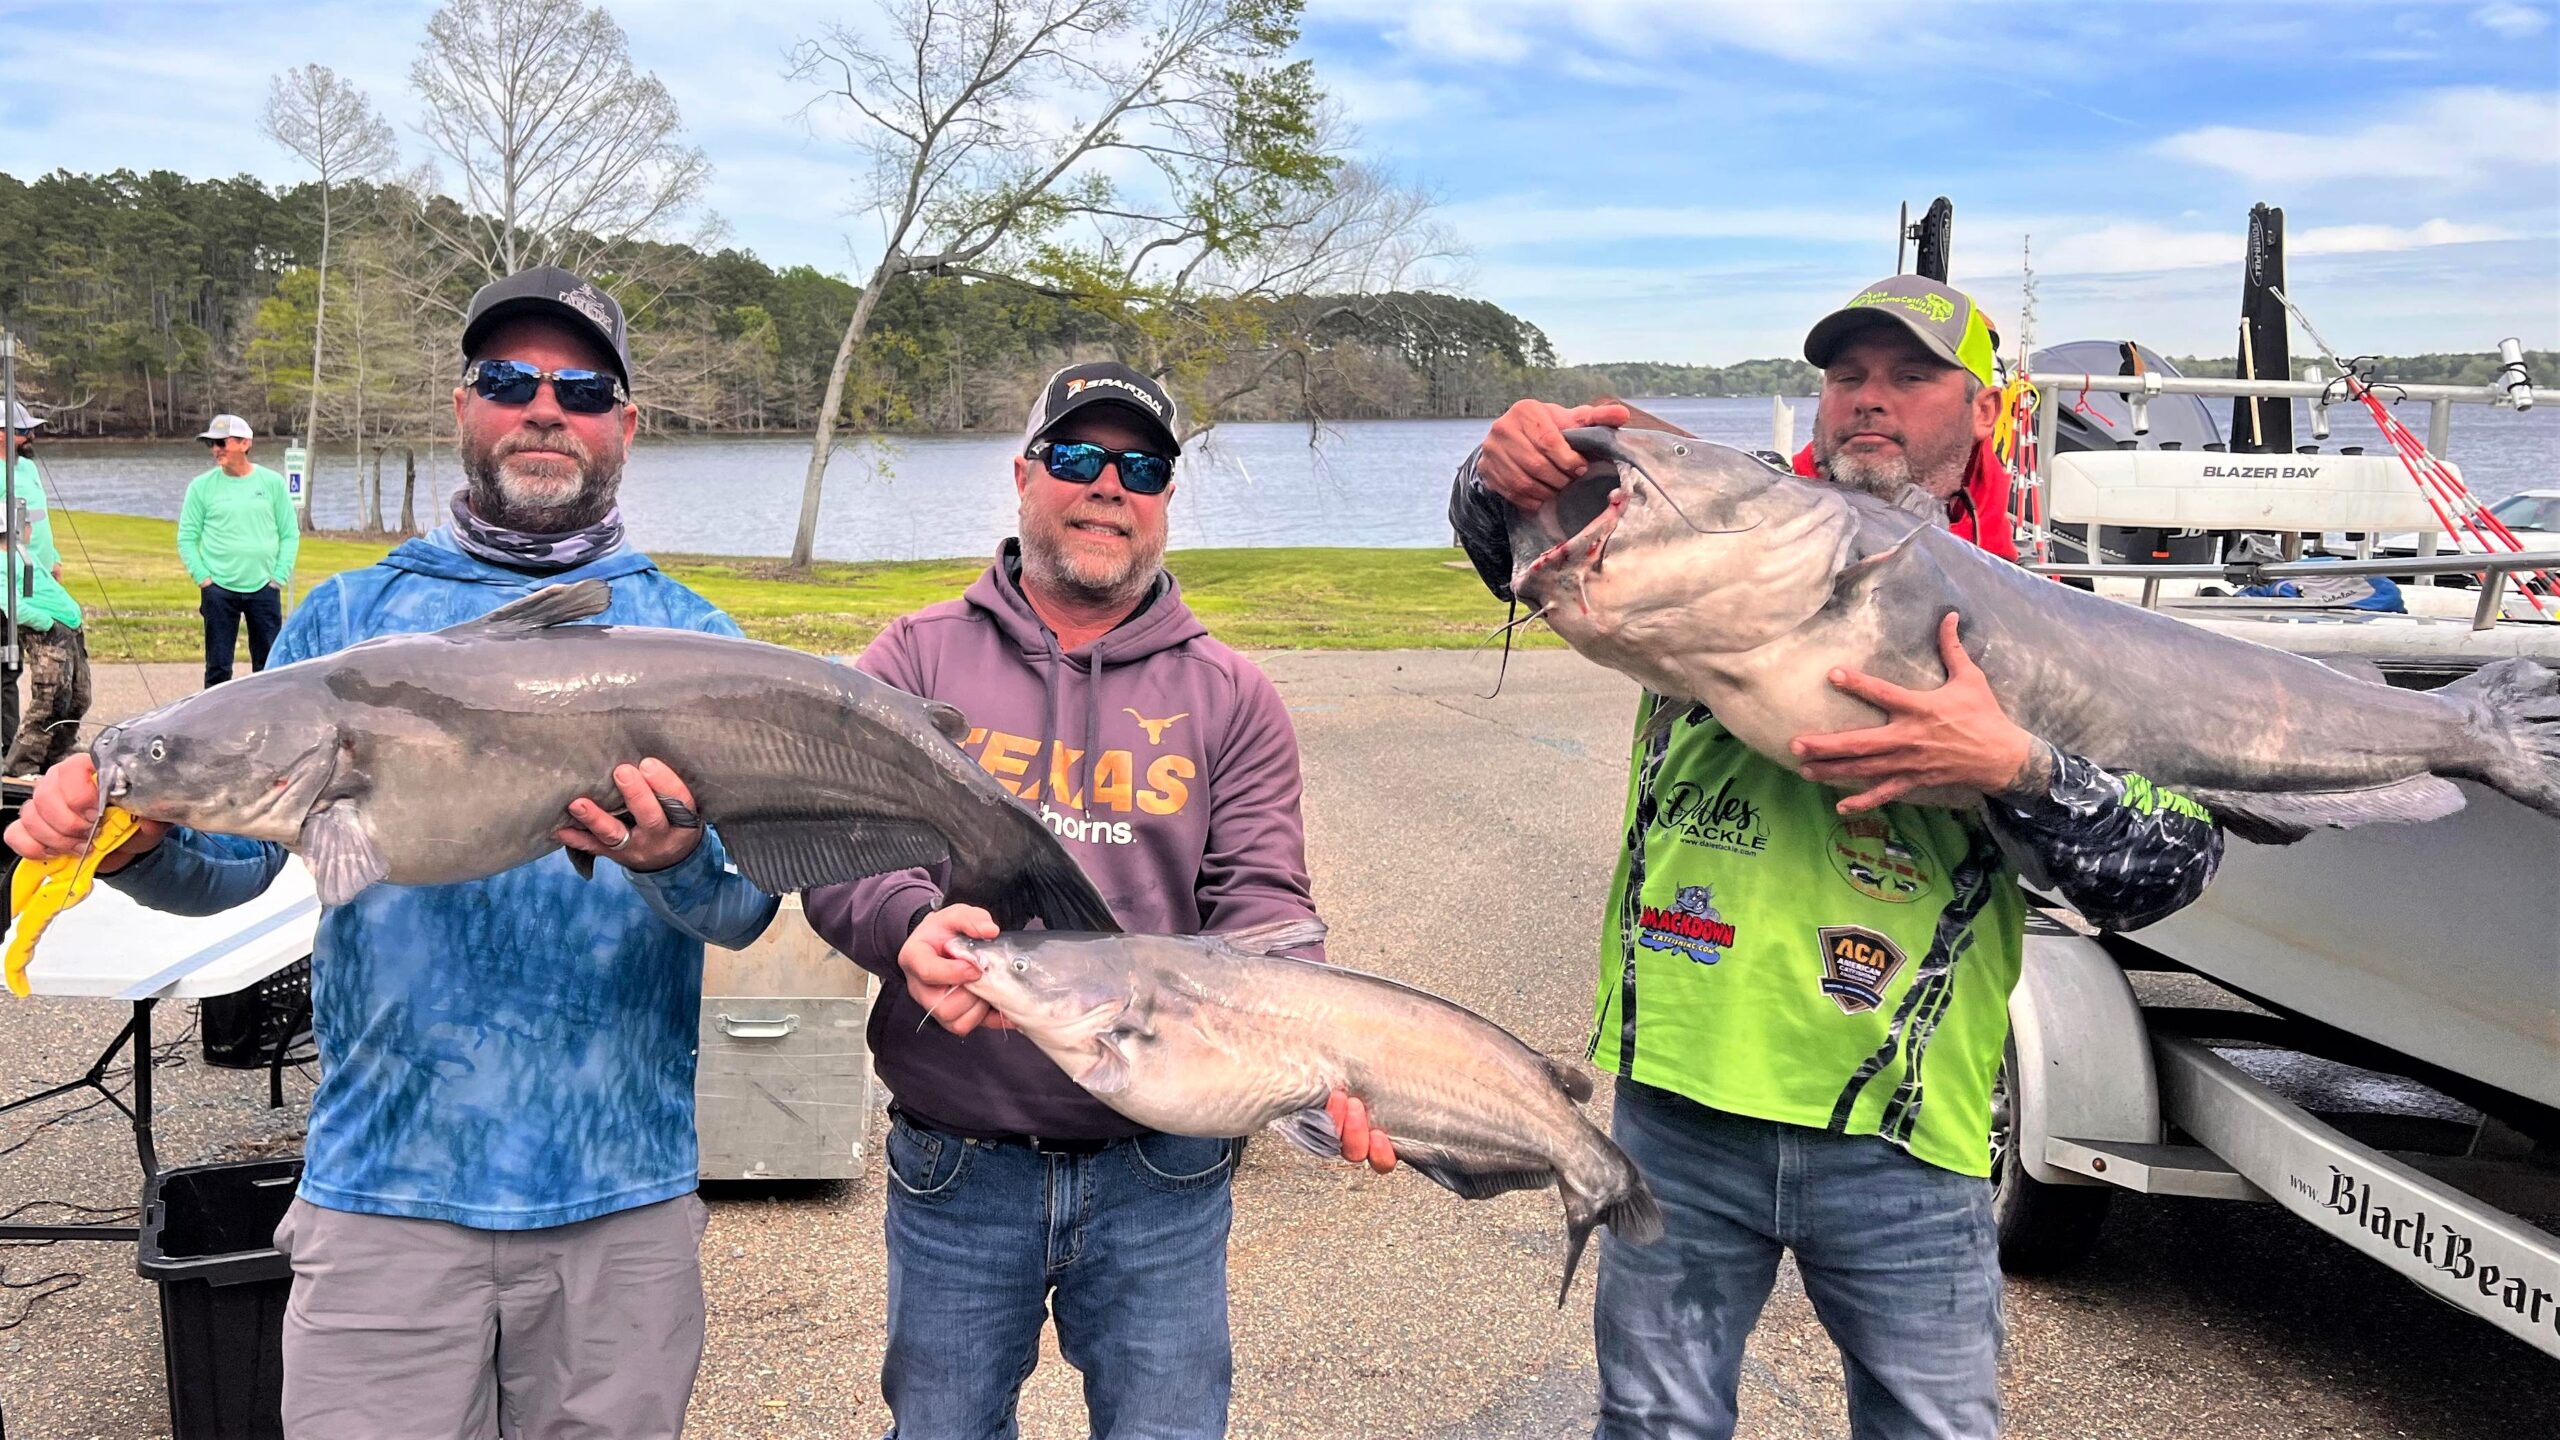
x=583 y=863
x=1109 y=1072
x=1311 y=1130
x=338 y=847
x=2269 y=817
x=1454 y=1175
x=544 y=608
x=1273 y=936
x=779 y=856
x=1569 y=1078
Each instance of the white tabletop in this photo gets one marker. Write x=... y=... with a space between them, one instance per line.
x=108 y=946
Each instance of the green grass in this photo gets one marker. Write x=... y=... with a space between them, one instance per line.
x=124 y=571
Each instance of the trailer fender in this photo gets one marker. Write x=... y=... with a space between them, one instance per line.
x=2084 y=1066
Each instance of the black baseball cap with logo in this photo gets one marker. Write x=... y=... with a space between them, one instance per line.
x=551 y=291
x=1104 y=382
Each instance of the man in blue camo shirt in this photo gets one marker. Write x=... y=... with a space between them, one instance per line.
x=497 y=1230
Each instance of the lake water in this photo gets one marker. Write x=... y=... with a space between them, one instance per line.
x=1363 y=483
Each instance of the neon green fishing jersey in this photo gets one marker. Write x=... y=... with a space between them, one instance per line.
x=1767 y=956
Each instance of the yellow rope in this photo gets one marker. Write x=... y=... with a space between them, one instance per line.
x=42 y=889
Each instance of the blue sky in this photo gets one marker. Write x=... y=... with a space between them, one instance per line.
x=1688 y=180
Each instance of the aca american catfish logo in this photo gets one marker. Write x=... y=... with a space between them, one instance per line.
x=1690 y=927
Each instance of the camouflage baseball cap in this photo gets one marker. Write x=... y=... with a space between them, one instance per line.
x=1944 y=318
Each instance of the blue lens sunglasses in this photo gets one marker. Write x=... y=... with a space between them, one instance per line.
x=1080 y=463
x=513 y=382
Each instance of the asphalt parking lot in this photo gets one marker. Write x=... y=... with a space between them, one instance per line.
x=1459 y=843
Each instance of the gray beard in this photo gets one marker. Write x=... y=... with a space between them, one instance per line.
x=1049 y=568
x=597 y=492
x=1890 y=479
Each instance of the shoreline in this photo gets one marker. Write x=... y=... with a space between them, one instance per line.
x=140 y=605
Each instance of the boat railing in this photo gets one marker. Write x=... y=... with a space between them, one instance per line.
x=2493 y=570
x=2512 y=388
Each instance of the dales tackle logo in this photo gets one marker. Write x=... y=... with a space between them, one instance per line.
x=1714 y=819
x=1691 y=927
x=1857 y=963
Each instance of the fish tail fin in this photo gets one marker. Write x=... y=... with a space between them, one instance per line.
x=1630 y=1212
x=2519 y=701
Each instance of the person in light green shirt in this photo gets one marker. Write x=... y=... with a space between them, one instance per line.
x=51 y=648
x=1804 y=978
x=237 y=535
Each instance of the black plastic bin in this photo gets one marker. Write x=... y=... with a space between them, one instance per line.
x=208 y=1235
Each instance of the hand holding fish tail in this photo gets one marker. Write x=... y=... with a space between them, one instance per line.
x=1526 y=459
x=1362 y=1143
x=62 y=816
x=935 y=974
x=1952 y=737
x=644 y=838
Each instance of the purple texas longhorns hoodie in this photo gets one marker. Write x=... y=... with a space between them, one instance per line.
x=1162 y=758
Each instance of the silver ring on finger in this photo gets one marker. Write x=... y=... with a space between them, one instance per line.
x=618 y=844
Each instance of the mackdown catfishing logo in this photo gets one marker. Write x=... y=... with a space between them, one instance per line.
x=1691 y=927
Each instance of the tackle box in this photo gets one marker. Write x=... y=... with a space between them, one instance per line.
x=782 y=1090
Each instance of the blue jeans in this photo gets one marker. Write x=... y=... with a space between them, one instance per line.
x=1128 y=1243
x=1898 y=1256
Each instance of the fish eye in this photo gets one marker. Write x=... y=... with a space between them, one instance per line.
x=159 y=748
x=1020 y=965
x=1679 y=449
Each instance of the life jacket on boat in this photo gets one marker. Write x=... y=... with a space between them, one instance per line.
x=1978 y=511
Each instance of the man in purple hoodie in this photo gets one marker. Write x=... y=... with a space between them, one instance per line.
x=1167 y=764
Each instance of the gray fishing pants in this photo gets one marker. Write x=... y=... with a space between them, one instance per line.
x=420 y=1330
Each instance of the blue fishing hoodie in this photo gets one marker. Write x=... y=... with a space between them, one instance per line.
x=514 y=1052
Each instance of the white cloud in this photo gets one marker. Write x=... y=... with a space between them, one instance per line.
x=2136 y=247
x=2468 y=135
x=2512 y=20
x=1820 y=32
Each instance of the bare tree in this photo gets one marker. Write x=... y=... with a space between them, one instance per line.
x=331 y=126
x=969 y=169
x=563 y=152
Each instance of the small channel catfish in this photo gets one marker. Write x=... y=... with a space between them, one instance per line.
x=1706 y=575
x=1218 y=1035
x=448 y=756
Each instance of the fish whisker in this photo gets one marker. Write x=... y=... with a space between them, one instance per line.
x=1513 y=624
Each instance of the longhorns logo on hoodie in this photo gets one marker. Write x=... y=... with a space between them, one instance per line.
x=1055 y=776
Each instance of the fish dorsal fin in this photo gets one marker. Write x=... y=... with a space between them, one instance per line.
x=947 y=719
x=1274 y=936
x=544 y=608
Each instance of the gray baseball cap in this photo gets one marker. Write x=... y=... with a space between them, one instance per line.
x=227 y=427
x=1944 y=319
x=20 y=419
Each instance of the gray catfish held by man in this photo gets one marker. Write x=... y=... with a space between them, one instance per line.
x=1707 y=575
x=452 y=755
x=1217 y=1035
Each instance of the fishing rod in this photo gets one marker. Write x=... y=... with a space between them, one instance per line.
x=2437 y=484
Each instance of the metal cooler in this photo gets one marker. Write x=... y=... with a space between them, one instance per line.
x=783 y=1091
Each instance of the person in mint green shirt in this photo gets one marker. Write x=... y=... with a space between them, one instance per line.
x=236 y=535
x=51 y=649
x=1804 y=979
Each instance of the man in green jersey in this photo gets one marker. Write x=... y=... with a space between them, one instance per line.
x=237 y=534
x=1804 y=982
x=51 y=648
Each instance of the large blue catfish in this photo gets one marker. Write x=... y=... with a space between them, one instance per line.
x=1706 y=575
x=447 y=756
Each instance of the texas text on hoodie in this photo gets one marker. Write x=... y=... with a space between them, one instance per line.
x=1162 y=758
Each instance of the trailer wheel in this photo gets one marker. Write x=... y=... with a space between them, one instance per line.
x=2042 y=1227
